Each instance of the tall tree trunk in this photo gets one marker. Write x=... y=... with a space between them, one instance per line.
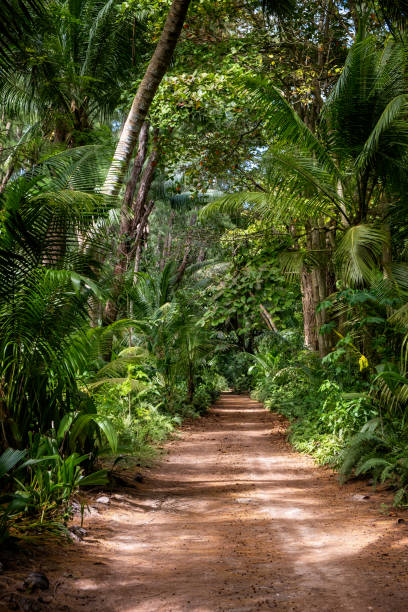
x=316 y=284
x=136 y=266
x=11 y=161
x=267 y=317
x=155 y=72
x=201 y=255
x=141 y=232
x=137 y=167
x=144 y=186
x=319 y=286
x=7 y=177
x=190 y=384
x=6 y=133
x=308 y=307
x=125 y=213
x=133 y=208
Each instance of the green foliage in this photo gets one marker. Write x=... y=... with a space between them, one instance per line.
x=212 y=302
x=132 y=406
x=47 y=279
x=323 y=416
x=72 y=67
x=41 y=486
x=381 y=450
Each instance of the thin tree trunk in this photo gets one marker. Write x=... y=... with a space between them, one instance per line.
x=182 y=267
x=6 y=177
x=125 y=213
x=158 y=251
x=6 y=133
x=155 y=72
x=190 y=384
x=319 y=276
x=201 y=255
x=137 y=166
x=343 y=215
x=136 y=266
x=167 y=242
x=141 y=230
x=266 y=315
x=131 y=215
x=144 y=186
x=129 y=229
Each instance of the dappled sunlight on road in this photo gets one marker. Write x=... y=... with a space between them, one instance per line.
x=233 y=519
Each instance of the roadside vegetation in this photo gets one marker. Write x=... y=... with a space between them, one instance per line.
x=197 y=196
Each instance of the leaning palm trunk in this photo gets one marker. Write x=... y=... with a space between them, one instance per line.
x=155 y=72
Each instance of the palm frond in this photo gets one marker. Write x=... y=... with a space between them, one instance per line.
x=17 y=20
x=358 y=253
x=246 y=202
x=395 y=13
x=283 y=122
x=392 y=115
x=293 y=262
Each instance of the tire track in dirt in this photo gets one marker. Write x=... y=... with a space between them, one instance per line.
x=233 y=520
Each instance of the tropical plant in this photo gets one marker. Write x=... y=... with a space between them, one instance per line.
x=49 y=249
x=72 y=68
x=335 y=186
x=42 y=486
x=18 y=17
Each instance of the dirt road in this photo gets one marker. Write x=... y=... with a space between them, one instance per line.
x=233 y=520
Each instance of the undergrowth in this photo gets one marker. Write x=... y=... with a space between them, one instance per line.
x=127 y=421
x=323 y=419
x=353 y=423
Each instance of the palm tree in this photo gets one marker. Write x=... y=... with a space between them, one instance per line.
x=146 y=91
x=49 y=253
x=73 y=67
x=395 y=13
x=166 y=327
x=337 y=184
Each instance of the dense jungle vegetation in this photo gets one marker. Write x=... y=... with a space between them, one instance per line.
x=196 y=196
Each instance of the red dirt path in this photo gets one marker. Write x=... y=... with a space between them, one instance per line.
x=233 y=520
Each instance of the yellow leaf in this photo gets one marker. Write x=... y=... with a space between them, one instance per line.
x=363 y=362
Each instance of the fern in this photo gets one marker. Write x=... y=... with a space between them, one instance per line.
x=363 y=447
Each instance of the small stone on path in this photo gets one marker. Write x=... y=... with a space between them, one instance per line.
x=102 y=500
x=36 y=580
x=359 y=497
x=78 y=531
